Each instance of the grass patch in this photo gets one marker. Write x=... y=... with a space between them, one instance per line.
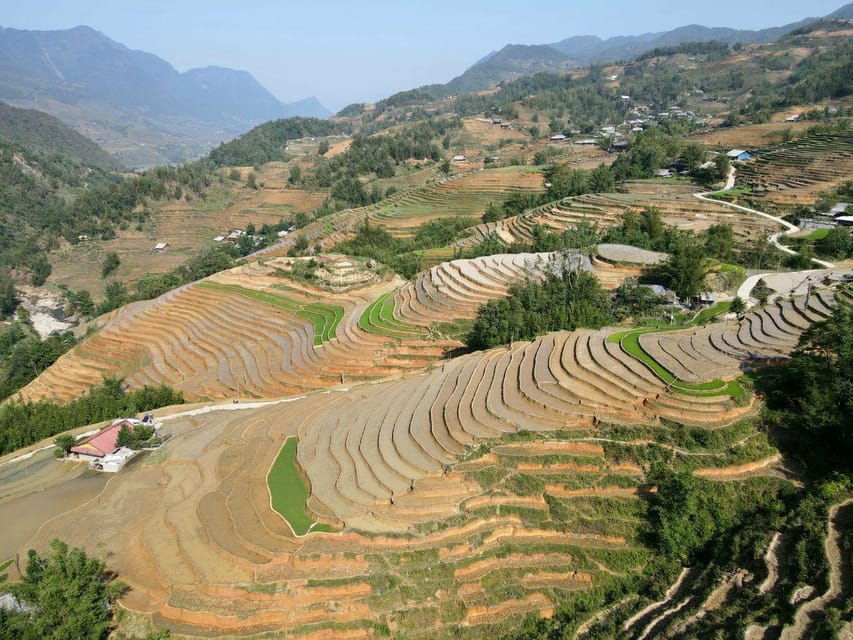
x=726 y=267
x=630 y=343
x=378 y=318
x=706 y=315
x=324 y=317
x=288 y=491
x=817 y=234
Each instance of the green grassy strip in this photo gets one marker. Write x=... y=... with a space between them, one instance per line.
x=288 y=491
x=630 y=343
x=817 y=234
x=324 y=317
x=378 y=318
x=726 y=267
x=706 y=315
x=6 y=565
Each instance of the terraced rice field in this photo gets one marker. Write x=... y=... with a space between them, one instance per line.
x=794 y=173
x=288 y=493
x=238 y=334
x=469 y=496
x=396 y=437
x=463 y=195
x=466 y=195
x=324 y=317
x=676 y=203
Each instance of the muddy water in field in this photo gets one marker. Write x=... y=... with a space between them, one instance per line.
x=36 y=490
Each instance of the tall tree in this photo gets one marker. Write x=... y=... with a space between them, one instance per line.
x=684 y=270
x=69 y=594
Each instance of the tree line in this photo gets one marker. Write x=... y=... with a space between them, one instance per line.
x=24 y=423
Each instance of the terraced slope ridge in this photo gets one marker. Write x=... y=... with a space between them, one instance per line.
x=254 y=332
x=389 y=440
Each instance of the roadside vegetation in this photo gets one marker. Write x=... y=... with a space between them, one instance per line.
x=22 y=424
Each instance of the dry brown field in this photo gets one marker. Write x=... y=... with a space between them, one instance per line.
x=187 y=227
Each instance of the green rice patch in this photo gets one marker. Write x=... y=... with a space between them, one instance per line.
x=324 y=317
x=289 y=492
x=378 y=318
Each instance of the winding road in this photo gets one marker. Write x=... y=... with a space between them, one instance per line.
x=745 y=289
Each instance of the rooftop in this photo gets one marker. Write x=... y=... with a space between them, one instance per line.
x=102 y=443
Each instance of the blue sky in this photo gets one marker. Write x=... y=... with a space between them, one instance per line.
x=364 y=50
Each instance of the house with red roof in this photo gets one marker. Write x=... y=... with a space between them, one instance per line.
x=100 y=445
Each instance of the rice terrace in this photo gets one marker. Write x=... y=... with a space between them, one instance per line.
x=562 y=348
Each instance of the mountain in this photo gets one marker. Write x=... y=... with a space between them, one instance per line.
x=130 y=100
x=844 y=13
x=46 y=134
x=307 y=108
x=577 y=51
x=512 y=61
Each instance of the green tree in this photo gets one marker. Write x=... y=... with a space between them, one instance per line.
x=69 y=593
x=40 y=270
x=493 y=213
x=720 y=241
x=565 y=181
x=540 y=158
x=684 y=270
x=722 y=165
x=445 y=167
x=111 y=263
x=651 y=222
x=761 y=291
x=64 y=443
x=252 y=180
x=693 y=154
x=738 y=306
x=583 y=236
x=234 y=174
x=814 y=391
x=601 y=180
x=80 y=302
x=295 y=174
x=115 y=295
x=8 y=296
x=323 y=148
x=835 y=244
x=567 y=301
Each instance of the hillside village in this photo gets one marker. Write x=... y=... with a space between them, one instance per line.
x=563 y=356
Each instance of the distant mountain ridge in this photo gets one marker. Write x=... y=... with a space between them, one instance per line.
x=79 y=73
x=515 y=60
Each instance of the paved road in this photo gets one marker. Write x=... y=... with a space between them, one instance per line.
x=745 y=289
x=774 y=239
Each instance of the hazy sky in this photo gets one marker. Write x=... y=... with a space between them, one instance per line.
x=363 y=50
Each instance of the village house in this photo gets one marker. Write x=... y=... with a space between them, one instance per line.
x=739 y=154
x=839 y=209
x=101 y=450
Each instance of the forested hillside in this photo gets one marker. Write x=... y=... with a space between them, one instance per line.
x=48 y=135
